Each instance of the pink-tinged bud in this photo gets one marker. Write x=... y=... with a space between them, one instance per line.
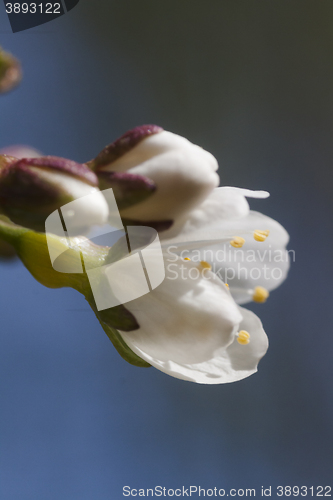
x=123 y=145
x=10 y=72
x=20 y=151
x=183 y=174
x=32 y=188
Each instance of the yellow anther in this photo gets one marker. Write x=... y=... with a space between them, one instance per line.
x=226 y=284
x=237 y=242
x=260 y=294
x=243 y=337
x=260 y=235
x=187 y=258
x=205 y=265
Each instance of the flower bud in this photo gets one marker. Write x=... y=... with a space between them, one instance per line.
x=10 y=72
x=183 y=174
x=32 y=188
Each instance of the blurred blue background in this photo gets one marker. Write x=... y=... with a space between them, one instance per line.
x=250 y=81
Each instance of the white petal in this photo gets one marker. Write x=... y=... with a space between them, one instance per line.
x=248 y=192
x=203 y=223
x=226 y=365
x=184 y=320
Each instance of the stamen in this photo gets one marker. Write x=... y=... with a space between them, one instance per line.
x=205 y=265
x=237 y=242
x=187 y=258
x=243 y=337
x=226 y=284
x=260 y=294
x=260 y=235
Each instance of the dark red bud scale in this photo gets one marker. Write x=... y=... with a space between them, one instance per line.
x=124 y=144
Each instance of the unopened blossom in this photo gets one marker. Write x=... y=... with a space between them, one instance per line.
x=246 y=249
x=170 y=175
x=191 y=328
x=32 y=188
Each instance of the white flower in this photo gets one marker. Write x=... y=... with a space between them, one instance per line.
x=191 y=328
x=246 y=249
x=183 y=174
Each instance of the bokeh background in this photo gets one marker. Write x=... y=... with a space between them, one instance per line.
x=252 y=82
